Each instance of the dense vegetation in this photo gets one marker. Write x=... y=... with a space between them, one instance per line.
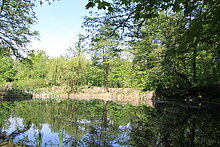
x=38 y=70
x=168 y=46
x=171 y=47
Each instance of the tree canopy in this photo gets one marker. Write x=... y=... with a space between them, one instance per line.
x=16 y=18
x=173 y=46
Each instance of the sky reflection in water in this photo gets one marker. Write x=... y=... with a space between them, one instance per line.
x=98 y=123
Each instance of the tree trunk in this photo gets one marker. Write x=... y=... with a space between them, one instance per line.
x=192 y=138
x=194 y=71
x=106 y=71
x=55 y=74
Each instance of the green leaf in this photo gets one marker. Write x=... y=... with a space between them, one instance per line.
x=90 y=5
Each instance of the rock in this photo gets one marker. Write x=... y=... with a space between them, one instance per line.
x=8 y=86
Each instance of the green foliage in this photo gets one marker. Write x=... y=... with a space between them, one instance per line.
x=104 y=49
x=175 y=44
x=5 y=110
x=94 y=75
x=79 y=48
x=75 y=72
x=149 y=9
x=168 y=60
x=55 y=70
x=148 y=52
x=38 y=61
x=120 y=74
x=16 y=18
x=174 y=47
x=100 y=4
x=7 y=70
x=29 y=84
x=33 y=67
x=32 y=71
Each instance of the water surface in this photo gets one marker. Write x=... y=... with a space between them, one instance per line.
x=99 y=123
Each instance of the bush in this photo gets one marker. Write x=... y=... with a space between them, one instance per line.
x=29 y=84
x=2 y=84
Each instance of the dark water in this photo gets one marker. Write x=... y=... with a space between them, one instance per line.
x=98 y=123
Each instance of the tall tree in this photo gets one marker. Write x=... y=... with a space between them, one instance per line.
x=75 y=74
x=120 y=74
x=55 y=70
x=78 y=49
x=105 y=48
x=189 y=36
x=76 y=65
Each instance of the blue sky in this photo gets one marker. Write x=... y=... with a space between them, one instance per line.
x=59 y=24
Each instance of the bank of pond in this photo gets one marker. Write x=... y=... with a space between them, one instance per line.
x=104 y=123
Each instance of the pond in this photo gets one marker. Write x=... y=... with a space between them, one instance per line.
x=98 y=123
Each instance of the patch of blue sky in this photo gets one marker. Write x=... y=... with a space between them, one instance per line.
x=58 y=25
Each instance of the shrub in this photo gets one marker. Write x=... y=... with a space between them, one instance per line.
x=29 y=84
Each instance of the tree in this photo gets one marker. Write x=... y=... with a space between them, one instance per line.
x=7 y=69
x=79 y=47
x=39 y=61
x=16 y=17
x=186 y=37
x=120 y=74
x=104 y=49
x=75 y=73
x=31 y=71
x=156 y=51
x=56 y=70
x=141 y=11
x=77 y=65
x=33 y=67
x=94 y=75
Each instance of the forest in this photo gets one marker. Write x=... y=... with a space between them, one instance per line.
x=171 y=47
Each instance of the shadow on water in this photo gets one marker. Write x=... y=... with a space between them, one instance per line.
x=15 y=95
x=100 y=123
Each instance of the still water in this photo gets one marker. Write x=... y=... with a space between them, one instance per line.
x=98 y=123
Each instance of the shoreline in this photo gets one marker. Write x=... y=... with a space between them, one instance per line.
x=125 y=95
x=122 y=95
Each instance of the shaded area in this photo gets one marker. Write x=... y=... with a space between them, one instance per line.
x=197 y=97
x=14 y=94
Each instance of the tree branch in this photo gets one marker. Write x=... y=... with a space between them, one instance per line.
x=182 y=76
x=122 y=24
x=14 y=50
x=2 y=6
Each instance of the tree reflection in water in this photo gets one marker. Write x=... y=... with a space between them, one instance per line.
x=99 y=123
